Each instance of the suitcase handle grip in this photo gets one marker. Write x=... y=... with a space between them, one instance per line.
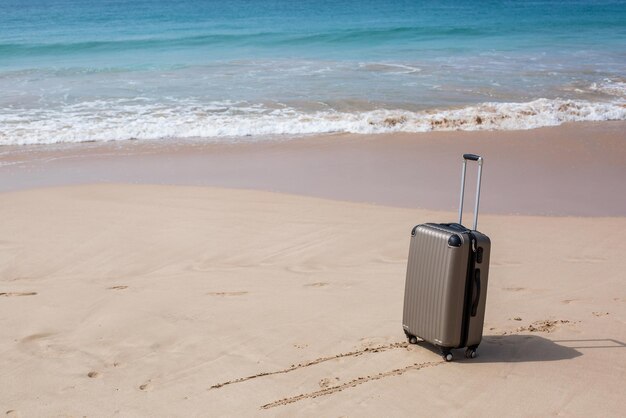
x=472 y=157
x=476 y=292
x=479 y=159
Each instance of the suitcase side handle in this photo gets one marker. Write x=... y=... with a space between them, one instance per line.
x=476 y=298
x=479 y=159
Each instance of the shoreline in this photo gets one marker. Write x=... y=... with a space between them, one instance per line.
x=574 y=169
x=226 y=121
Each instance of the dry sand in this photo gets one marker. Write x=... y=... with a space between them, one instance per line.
x=153 y=300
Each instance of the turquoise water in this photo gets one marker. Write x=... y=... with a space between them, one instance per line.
x=111 y=70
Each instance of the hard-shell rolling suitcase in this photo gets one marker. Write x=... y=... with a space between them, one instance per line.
x=446 y=281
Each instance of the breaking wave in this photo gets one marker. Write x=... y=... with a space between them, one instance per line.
x=227 y=121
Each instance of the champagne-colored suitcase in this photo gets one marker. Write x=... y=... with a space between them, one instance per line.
x=446 y=281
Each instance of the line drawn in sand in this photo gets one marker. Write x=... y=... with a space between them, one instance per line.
x=537 y=326
x=337 y=388
x=352 y=383
x=356 y=353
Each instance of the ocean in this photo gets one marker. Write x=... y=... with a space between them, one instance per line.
x=240 y=70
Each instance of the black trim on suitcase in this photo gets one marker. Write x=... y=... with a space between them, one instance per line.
x=476 y=291
x=469 y=284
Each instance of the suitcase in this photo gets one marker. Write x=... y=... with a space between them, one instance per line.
x=446 y=281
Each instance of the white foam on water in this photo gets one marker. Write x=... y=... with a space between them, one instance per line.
x=610 y=87
x=391 y=68
x=122 y=120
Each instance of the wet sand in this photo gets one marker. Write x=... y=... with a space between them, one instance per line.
x=575 y=169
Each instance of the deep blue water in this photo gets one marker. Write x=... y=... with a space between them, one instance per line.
x=113 y=69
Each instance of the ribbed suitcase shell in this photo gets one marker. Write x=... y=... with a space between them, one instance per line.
x=437 y=294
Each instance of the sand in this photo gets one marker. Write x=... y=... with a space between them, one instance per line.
x=575 y=169
x=162 y=300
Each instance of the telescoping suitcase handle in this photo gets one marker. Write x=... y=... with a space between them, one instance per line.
x=479 y=159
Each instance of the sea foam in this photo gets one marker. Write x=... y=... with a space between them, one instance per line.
x=228 y=121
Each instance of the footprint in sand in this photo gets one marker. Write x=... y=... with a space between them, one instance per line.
x=12 y=413
x=514 y=289
x=317 y=284
x=121 y=287
x=146 y=386
x=93 y=374
x=227 y=293
x=36 y=337
x=10 y=294
x=600 y=313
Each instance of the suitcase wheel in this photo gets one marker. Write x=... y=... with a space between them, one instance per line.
x=470 y=352
x=447 y=356
x=412 y=338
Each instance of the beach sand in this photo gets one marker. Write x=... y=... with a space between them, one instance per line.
x=182 y=299
x=574 y=169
